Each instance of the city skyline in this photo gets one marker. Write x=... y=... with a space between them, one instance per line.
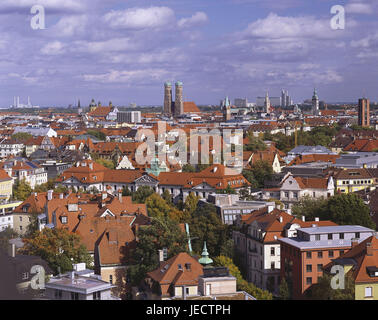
x=237 y=48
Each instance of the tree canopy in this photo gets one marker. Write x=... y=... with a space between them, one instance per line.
x=241 y=283
x=141 y=195
x=162 y=233
x=21 y=190
x=58 y=247
x=343 y=209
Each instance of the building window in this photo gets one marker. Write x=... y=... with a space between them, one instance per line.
x=320 y=254
x=317 y=237
x=330 y=236
x=74 y=296
x=187 y=290
x=111 y=279
x=272 y=251
x=357 y=235
x=64 y=220
x=97 y=295
x=309 y=268
x=368 y=292
x=272 y=265
x=309 y=280
x=341 y=236
x=308 y=255
x=320 y=267
x=330 y=254
x=20 y=218
x=25 y=276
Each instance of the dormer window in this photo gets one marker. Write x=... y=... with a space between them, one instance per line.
x=64 y=219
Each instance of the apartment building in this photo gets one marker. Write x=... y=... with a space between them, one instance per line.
x=303 y=256
x=257 y=242
x=352 y=180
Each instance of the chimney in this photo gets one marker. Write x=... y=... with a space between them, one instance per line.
x=270 y=209
x=50 y=195
x=61 y=196
x=369 y=249
x=354 y=242
x=161 y=256
x=12 y=250
x=281 y=219
x=91 y=165
x=72 y=275
x=120 y=195
x=316 y=219
x=35 y=194
x=303 y=218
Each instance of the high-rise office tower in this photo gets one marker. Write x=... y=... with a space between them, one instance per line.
x=179 y=103
x=267 y=104
x=167 y=99
x=364 y=112
x=315 y=104
x=283 y=98
x=288 y=99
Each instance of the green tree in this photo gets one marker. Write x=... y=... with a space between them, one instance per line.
x=106 y=163
x=142 y=194
x=58 y=247
x=206 y=225
x=254 y=144
x=157 y=207
x=190 y=204
x=322 y=290
x=261 y=171
x=21 y=190
x=98 y=134
x=188 y=168
x=126 y=192
x=343 y=209
x=242 y=284
x=5 y=236
x=162 y=233
x=284 y=290
x=22 y=136
x=167 y=197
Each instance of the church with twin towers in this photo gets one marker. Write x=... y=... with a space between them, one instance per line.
x=173 y=108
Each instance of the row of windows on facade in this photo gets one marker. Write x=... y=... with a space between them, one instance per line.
x=309 y=253
x=75 y=295
x=357 y=182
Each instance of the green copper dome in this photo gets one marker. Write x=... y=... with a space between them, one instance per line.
x=179 y=83
x=205 y=256
x=168 y=84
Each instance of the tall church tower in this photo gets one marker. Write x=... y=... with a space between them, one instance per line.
x=167 y=99
x=179 y=103
x=315 y=104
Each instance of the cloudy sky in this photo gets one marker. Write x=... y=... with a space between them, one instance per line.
x=124 y=50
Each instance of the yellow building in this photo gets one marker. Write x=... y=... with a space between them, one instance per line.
x=361 y=263
x=352 y=180
x=6 y=184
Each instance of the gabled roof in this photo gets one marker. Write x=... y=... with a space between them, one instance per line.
x=364 y=264
x=169 y=273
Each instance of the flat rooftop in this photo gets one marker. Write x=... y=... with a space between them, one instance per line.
x=335 y=229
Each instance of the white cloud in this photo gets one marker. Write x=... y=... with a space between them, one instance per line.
x=359 y=8
x=70 y=25
x=140 y=18
x=196 y=19
x=53 y=48
x=277 y=27
x=127 y=76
